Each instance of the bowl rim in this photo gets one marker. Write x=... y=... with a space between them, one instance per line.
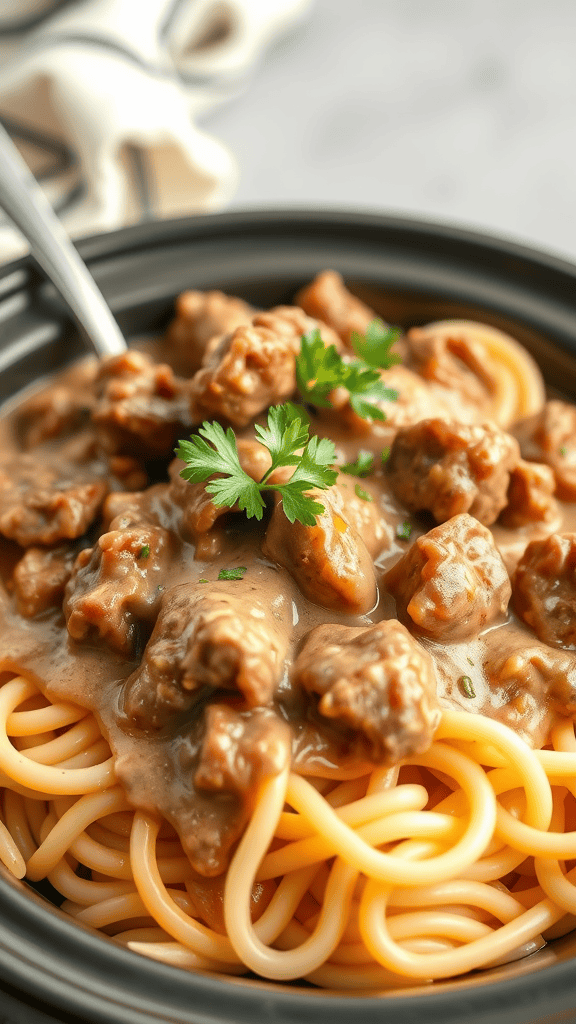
x=220 y=999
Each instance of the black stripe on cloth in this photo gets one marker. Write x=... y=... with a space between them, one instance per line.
x=63 y=158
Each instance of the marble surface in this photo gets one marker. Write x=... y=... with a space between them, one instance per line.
x=457 y=110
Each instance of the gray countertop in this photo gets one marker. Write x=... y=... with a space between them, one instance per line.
x=456 y=110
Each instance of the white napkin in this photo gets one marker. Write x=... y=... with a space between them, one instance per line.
x=102 y=96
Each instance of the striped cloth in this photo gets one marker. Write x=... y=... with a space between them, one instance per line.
x=102 y=97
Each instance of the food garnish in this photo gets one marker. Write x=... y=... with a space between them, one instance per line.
x=363 y=465
x=232 y=574
x=320 y=370
x=374 y=346
x=286 y=437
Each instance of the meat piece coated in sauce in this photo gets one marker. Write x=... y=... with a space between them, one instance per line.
x=550 y=436
x=202 y=318
x=208 y=637
x=454 y=361
x=142 y=408
x=40 y=578
x=241 y=748
x=449 y=468
x=328 y=299
x=329 y=561
x=544 y=589
x=43 y=503
x=376 y=680
x=452 y=582
x=254 y=367
x=116 y=587
x=530 y=496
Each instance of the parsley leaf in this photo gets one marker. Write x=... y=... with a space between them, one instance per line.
x=144 y=551
x=320 y=369
x=362 y=467
x=385 y=455
x=404 y=530
x=361 y=493
x=213 y=450
x=374 y=346
x=466 y=686
x=232 y=574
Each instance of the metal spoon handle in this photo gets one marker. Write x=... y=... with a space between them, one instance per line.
x=25 y=204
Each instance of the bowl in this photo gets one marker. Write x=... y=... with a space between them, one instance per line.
x=411 y=272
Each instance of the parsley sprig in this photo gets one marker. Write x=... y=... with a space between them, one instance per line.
x=374 y=346
x=320 y=370
x=286 y=436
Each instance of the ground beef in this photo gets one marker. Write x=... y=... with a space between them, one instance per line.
x=116 y=587
x=328 y=299
x=253 y=367
x=452 y=582
x=378 y=681
x=208 y=637
x=550 y=436
x=202 y=318
x=454 y=361
x=40 y=578
x=329 y=561
x=544 y=588
x=530 y=496
x=41 y=503
x=142 y=407
x=241 y=748
x=450 y=468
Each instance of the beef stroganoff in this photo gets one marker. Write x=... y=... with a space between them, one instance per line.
x=300 y=700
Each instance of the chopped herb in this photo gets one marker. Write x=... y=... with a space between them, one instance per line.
x=320 y=370
x=466 y=686
x=232 y=574
x=470 y=662
x=144 y=551
x=385 y=455
x=361 y=493
x=159 y=588
x=374 y=346
x=214 y=450
x=202 y=581
x=563 y=452
x=403 y=531
x=362 y=467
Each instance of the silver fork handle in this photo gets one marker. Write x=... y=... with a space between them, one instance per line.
x=26 y=205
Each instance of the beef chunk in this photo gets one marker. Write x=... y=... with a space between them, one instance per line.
x=40 y=578
x=530 y=496
x=55 y=412
x=544 y=588
x=328 y=299
x=536 y=679
x=454 y=360
x=451 y=582
x=450 y=468
x=550 y=436
x=199 y=513
x=116 y=587
x=202 y=318
x=365 y=515
x=42 y=503
x=142 y=408
x=241 y=748
x=253 y=367
x=209 y=637
x=378 y=681
x=329 y=561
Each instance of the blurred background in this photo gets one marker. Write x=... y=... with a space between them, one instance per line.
x=450 y=110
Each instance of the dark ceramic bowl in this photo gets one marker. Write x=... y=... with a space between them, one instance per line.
x=52 y=969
